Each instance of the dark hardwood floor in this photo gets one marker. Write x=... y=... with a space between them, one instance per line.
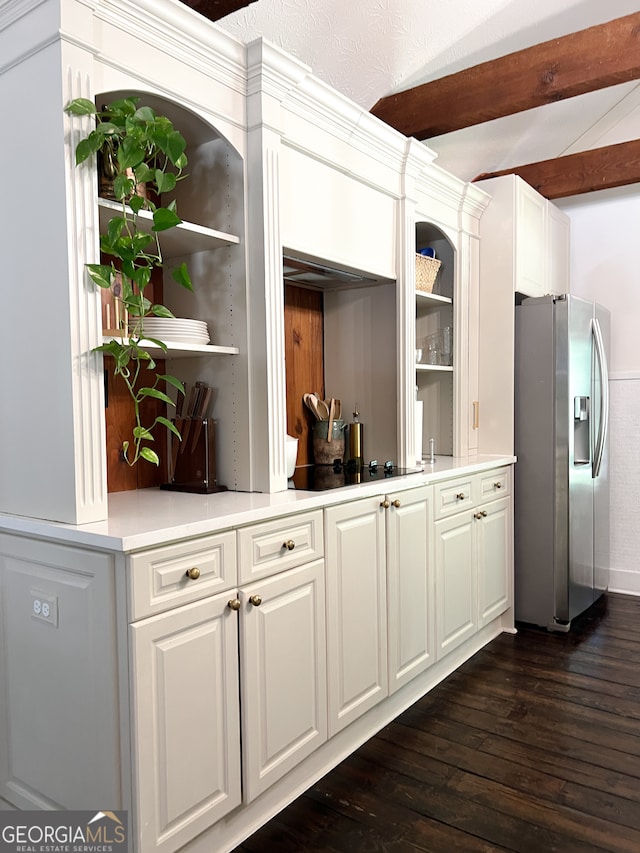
x=531 y=746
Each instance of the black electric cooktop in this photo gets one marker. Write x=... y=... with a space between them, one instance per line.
x=318 y=478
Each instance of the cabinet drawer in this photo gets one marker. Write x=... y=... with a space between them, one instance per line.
x=158 y=577
x=267 y=548
x=494 y=484
x=453 y=496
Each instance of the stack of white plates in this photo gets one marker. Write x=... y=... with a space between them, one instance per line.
x=175 y=330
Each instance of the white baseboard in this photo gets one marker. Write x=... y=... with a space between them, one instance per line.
x=625 y=582
x=619 y=375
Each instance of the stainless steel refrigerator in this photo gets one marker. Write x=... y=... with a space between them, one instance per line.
x=562 y=473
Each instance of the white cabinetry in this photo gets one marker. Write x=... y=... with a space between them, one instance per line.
x=380 y=599
x=410 y=584
x=435 y=312
x=456 y=581
x=524 y=251
x=494 y=560
x=356 y=609
x=558 y=246
x=283 y=673
x=186 y=731
x=525 y=236
x=89 y=57
x=232 y=659
x=284 y=543
x=529 y=240
x=282 y=643
x=474 y=561
x=184 y=689
x=190 y=697
x=449 y=223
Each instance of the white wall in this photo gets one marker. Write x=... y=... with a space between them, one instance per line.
x=605 y=266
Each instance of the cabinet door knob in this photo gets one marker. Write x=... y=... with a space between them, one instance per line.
x=477 y=515
x=256 y=600
x=385 y=504
x=396 y=503
x=484 y=513
x=234 y=604
x=460 y=496
x=289 y=545
x=497 y=485
x=193 y=574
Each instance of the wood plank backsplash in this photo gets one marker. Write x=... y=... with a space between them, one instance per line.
x=304 y=357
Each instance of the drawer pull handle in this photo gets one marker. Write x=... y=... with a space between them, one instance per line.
x=256 y=600
x=385 y=504
x=460 y=496
x=289 y=545
x=193 y=574
x=497 y=485
x=396 y=503
x=234 y=604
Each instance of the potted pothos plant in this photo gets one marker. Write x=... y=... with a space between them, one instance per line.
x=142 y=149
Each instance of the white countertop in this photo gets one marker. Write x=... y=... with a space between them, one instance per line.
x=148 y=517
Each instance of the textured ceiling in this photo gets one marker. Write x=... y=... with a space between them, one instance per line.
x=370 y=48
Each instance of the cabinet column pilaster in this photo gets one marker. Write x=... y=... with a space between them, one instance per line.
x=271 y=76
x=53 y=435
x=417 y=156
x=86 y=319
x=472 y=204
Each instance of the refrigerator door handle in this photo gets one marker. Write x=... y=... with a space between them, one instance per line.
x=603 y=425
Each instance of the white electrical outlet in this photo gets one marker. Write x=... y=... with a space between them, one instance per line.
x=44 y=607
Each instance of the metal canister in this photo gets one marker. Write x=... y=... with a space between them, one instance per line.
x=355 y=438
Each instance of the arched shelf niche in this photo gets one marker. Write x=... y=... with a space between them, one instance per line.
x=435 y=342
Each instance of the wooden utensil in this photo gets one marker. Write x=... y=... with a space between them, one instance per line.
x=311 y=402
x=323 y=409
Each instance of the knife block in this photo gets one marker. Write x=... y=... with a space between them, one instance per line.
x=193 y=460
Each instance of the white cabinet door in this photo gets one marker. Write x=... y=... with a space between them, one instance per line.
x=558 y=242
x=356 y=609
x=410 y=585
x=283 y=653
x=456 y=581
x=531 y=232
x=494 y=559
x=184 y=682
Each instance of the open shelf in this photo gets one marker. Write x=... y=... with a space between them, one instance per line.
x=424 y=298
x=437 y=368
x=184 y=239
x=179 y=350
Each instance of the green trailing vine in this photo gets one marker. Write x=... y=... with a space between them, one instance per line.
x=141 y=149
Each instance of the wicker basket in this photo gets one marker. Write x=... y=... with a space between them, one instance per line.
x=426 y=272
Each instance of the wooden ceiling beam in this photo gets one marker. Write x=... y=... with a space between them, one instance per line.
x=216 y=9
x=590 y=59
x=584 y=172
